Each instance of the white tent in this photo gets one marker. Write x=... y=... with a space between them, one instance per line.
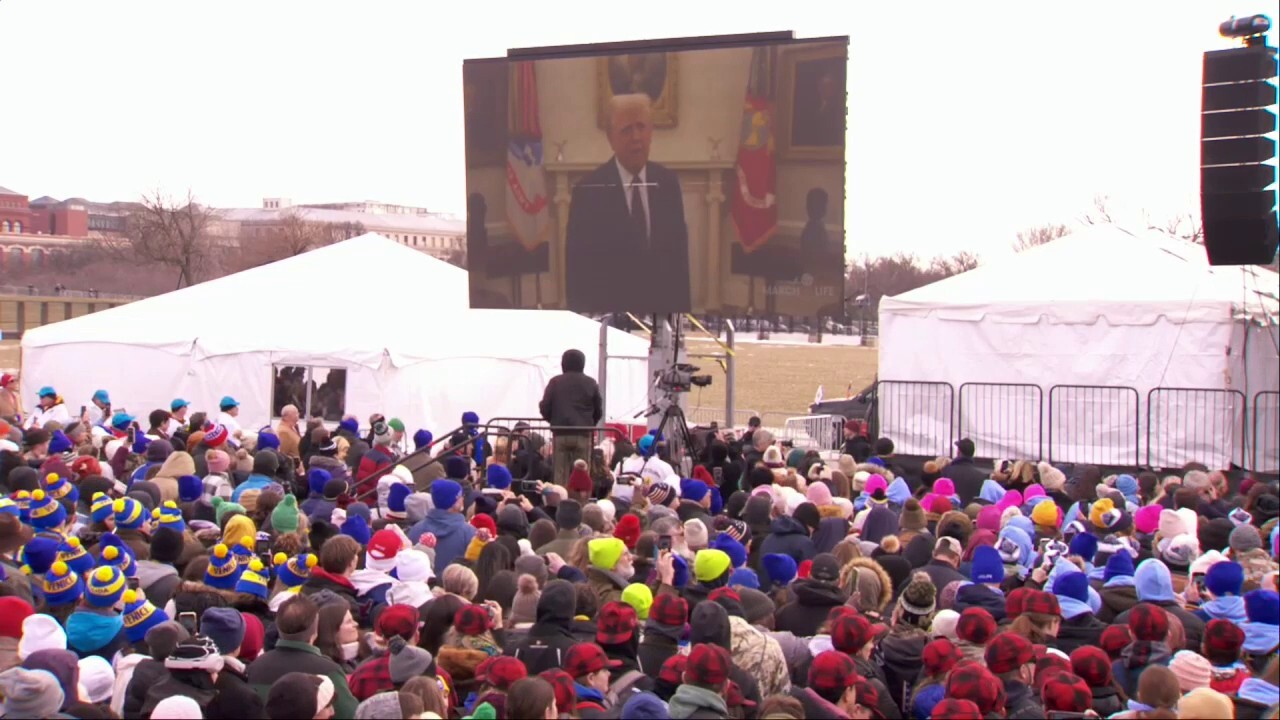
x=1102 y=308
x=396 y=320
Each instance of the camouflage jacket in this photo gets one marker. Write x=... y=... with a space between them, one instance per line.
x=760 y=656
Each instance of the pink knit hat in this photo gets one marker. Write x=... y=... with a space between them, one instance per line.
x=1192 y=670
x=989 y=518
x=819 y=494
x=875 y=482
x=944 y=486
x=1147 y=519
x=218 y=461
x=1013 y=498
x=1033 y=492
x=1170 y=524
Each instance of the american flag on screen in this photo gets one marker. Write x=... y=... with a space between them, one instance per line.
x=755 y=208
x=527 y=206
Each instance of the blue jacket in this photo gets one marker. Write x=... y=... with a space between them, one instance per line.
x=452 y=532
x=254 y=482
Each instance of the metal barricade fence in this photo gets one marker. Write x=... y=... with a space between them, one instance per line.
x=918 y=416
x=1093 y=425
x=698 y=415
x=815 y=432
x=1265 y=447
x=1195 y=425
x=1004 y=420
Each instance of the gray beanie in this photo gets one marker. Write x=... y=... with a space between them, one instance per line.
x=30 y=693
x=382 y=705
x=407 y=662
x=416 y=507
x=533 y=565
x=1245 y=538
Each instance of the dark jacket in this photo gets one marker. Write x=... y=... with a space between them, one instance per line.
x=939 y=572
x=1107 y=702
x=871 y=670
x=980 y=596
x=290 y=656
x=655 y=649
x=1116 y=600
x=336 y=584
x=146 y=675
x=548 y=640
x=806 y=614
x=572 y=398
x=1021 y=701
x=901 y=651
x=787 y=536
x=564 y=542
x=689 y=510
x=815 y=708
x=601 y=235
x=968 y=479
x=1079 y=631
x=234 y=693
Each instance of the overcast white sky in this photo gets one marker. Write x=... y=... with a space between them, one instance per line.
x=968 y=121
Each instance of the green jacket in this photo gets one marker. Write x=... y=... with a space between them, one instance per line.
x=292 y=656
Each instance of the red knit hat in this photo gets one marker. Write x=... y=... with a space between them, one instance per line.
x=485 y=522
x=628 y=530
x=1114 y=640
x=13 y=611
x=580 y=481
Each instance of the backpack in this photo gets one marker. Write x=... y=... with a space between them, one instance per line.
x=539 y=656
x=620 y=690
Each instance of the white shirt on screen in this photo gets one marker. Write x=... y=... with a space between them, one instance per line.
x=231 y=424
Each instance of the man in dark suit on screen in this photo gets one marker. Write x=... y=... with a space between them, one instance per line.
x=627 y=246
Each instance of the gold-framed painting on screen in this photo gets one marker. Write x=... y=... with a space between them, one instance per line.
x=653 y=74
x=811 y=102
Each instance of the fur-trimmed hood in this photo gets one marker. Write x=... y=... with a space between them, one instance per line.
x=865 y=575
x=460 y=663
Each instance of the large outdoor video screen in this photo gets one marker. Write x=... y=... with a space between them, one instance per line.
x=696 y=180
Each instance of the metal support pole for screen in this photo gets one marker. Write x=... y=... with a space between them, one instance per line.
x=602 y=370
x=729 y=332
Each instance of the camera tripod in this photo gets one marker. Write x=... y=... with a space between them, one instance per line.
x=675 y=429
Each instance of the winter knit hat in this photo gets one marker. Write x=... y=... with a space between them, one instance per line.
x=1262 y=606
x=604 y=553
x=919 y=597
x=1192 y=669
x=912 y=517
x=1120 y=564
x=45 y=512
x=1046 y=514
x=140 y=615
x=407 y=661
x=39 y=554
x=253 y=580
x=735 y=550
x=105 y=586
x=445 y=493
x=295 y=571
x=695 y=534
x=987 y=567
x=129 y=513
x=1147 y=519
x=118 y=554
x=61 y=585
x=1245 y=538
x=223 y=570
x=190 y=488
x=101 y=508
x=1205 y=702
x=1224 y=578
x=780 y=568
x=711 y=564
x=396 y=497
x=356 y=528
x=169 y=515
x=72 y=552
x=59 y=487
x=30 y=693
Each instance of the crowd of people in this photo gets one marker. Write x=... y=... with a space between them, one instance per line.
x=186 y=567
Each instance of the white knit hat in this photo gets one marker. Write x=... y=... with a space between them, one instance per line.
x=177 y=707
x=413 y=566
x=40 y=632
x=97 y=678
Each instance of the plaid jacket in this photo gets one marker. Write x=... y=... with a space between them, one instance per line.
x=371 y=678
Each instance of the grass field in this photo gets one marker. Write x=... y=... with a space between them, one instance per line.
x=784 y=377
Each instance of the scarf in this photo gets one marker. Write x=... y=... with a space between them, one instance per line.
x=1260 y=638
x=1141 y=653
x=1119 y=581
x=1230 y=608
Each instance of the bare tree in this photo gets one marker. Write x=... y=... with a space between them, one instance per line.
x=1183 y=226
x=1100 y=214
x=166 y=231
x=888 y=276
x=293 y=236
x=1039 y=235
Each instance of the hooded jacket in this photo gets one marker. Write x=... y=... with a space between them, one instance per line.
x=1154 y=584
x=1115 y=600
x=1078 y=632
x=813 y=601
x=901 y=651
x=158 y=581
x=692 y=701
x=174 y=467
x=550 y=637
x=760 y=655
x=787 y=536
x=452 y=532
x=981 y=596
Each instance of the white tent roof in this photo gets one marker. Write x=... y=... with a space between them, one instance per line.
x=359 y=300
x=1098 y=272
